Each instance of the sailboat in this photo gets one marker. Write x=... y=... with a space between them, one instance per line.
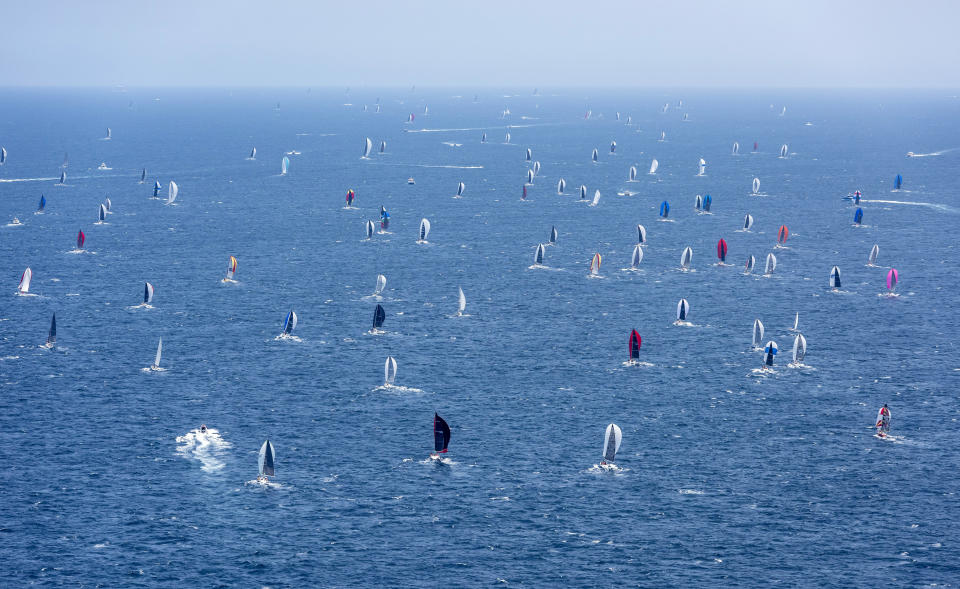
x=483 y=137
x=769 y=351
x=613 y=147
x=267 y=462
x=698 y=203
x=529 y=154
x=747 y=222
x=756 y=185
x=384 y=219
x=858 y=216
x=424 y=230
x=637 y=257
x=441 y=436
x=595 y=155
x=289 y=324
x=782 y=234
x=367 y=148
x=736 y=149
x=722 y=250
x=460 y=188
x=536 y=168
x=783 y=151
x=799 y=348
x=757 y=333
x=101 y=214
x=523 y=193
x=707 y=203
x=461 y=302
x=771 y=264
x=284 y=165
x=350 y=196
x=389 y=371
x=751 y=262
x=874 y=252
x=653 y=166
x=595 y=265
x=52 y=334
x=897 y=182
x=561 y=186
x=156 y=189
x=702 y=167
x=683 y=311
x=3 y=155
x=796 y=322
x=835 y=277
x=143 y=176
x=664 y=210
x=583 y=192
x=109 y=134
x=381 y=284
x=553 y=235
x=43 y=203
x=530 y=176
x=686 y=257
x=893 y=277
x=506 y=138
x=63 y=178
x=538 y=256
x=253 y=154
x=611 y=443
x=596 y=198
x=632 y=175
x=378 y=316
x=641 y=235
x=172 y=191
x=156 y=360
x=633 y=345
x=663 y=136
x=383 y=144
x=108 y=205
x=80 y=239
x=370 y=228
x=231 y=269
x=147 y=293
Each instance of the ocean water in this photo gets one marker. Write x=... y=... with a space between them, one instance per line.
x=727 y=476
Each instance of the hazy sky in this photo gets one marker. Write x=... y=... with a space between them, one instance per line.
x=522 y=43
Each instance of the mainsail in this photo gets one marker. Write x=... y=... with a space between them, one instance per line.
x=268 y=459
x=441 y=434
x=611 y=442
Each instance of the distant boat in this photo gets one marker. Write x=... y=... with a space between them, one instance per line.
x=378 y=316
x=156 y=359
x=736 y=149
x=835 y=277
x=383 y=144
x=461 y=301
x=583 y=192
x=536 y=168
x=231 y=268
x=389 y=370
x=441 y=435
x=109 y=134
x=523 y=194
x=757 y=332
x=410 y=118
x=683 y=310
x=596 y=198
x=172 y=190
x=3 y=155
x=289 y=323
x=747 y=222
x=632 y=175
x=611 y=443
x=783 y=111
x=686 y=257
x=595 y=155
x=702 y=167
x=156 y=189
x=267 y=461
x=52 y=334
x=892 y=278
x=483 y=137
x=381 y=284
x=653 y=166
x=858 y=216
x=722 y=250
x=253 y=154
x=898 y=182
x=25 y=278
x=284 y=165
x=506 y=138
x=561 y=186
x=595 y=264
x=529 y=176
x=553 y=235
x=686 y=117
x=633 y=345
x=782 y=234
x=771 y=264
x=641 y=235
x=43 y=203
x=637 y=256
x=63 y=177
x=751 y=262
x=102 y=213
x=613 y=147
x=769 y=351
x=663 y=136
x=80 y=239
x=783 y=150
x=350 y=196
x=143 y=175
x=799 y=348
x=147 y=293
x=664 y=210
x=698 y=203
x=538 y=256
x=384 y=218
x=529 y=154
x=756 y=185
x=370 y=228
x=460 y=188
x=108 y=204
x=707 y=203
x=367 y=148
x=796 y=321
x=424 y=230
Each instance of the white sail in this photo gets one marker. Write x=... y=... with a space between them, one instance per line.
x=771 y=264
x=148 y=293
x=506 y=138
x=102 y=213
x=698 y=203
x=611 y=442
x=529 y=154
x=756 y=185
x=561 y=186
x=370 y=228
x=736 y=148
x=653 y=167
x=529 y=176
x=799 y=348
x=641 y=234
x=267 y=459
x=874 y=252
x=595 y=155
x=613 y=144
x=172 y=191
x=757 y=332
x=702 y=167
x=253 y=154
x=686 y=257
x=683 y=310
x=835 y=277
x=583 y=192
x=383 y=143
x=663 y=135
x=637 y=256
x=390 y=370
x=156 y=361
x=367 y=147
x=536 y=168
x=553 y=235
x=25 y=278
x=424 y=229
x=538 y=257
x=460 y=188
x=596 y=198
x=796 y=321
x=751 y=262
x=632 y=176
x=3 y=155
x=783 y=150
x=109 y=133
x=747 y=222
x=381 y=284
x=461 y=301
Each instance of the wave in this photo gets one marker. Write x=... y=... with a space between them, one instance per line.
x=205 y=447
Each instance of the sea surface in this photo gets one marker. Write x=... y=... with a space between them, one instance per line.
x=727 y=476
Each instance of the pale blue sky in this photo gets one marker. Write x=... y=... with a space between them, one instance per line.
x=520 y=44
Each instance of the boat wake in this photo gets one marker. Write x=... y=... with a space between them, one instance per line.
x=438 y=459
x=27 y=179
x=684 y=324
x=140 y=306
x=932 y=153
x=939 y=207
x=287 y=337
x=607 y=468
x=398 y=389
x=636 y=363
x=264 y=484
x=205 y=447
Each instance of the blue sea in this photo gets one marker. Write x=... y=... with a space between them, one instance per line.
x=728 y=476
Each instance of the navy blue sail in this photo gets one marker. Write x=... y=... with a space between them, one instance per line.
x=43 y=203
x=441 y=434
x=156 y=189
x=898 y=182
x=858 y=216
x=378 y=316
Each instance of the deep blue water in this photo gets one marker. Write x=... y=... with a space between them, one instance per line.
x=729 y=477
